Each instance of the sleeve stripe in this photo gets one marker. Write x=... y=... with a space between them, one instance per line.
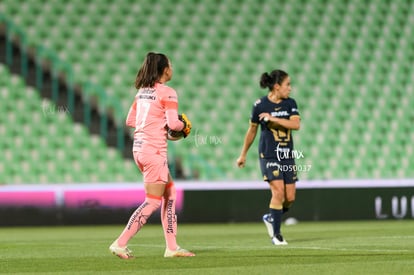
x=171 y=105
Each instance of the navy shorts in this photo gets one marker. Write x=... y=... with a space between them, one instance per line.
x=273 y=169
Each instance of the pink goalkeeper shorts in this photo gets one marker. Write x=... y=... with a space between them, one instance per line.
x=154 y=167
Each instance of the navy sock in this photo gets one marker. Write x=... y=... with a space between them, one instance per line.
x=277 y=220
x=285 y=209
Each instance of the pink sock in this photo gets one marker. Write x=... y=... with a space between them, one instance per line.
x=139 y=218
x=168 y=216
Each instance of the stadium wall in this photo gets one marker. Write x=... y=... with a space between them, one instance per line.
x=197 y=202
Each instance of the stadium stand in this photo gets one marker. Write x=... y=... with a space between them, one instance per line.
x=41 y=144
x=350 y=63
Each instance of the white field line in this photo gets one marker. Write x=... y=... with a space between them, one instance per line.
x=271 y=247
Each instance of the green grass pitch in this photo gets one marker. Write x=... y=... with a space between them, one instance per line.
x=365 y=247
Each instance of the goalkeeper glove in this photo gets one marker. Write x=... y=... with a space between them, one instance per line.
x=187 y=124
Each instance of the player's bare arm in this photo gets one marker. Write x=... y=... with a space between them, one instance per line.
x=274 y=122
x=130 y=121
x=248 y=140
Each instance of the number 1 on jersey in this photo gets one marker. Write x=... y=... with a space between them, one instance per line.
x=142 y=113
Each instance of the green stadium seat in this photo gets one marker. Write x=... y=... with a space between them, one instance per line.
x=344 y=57
x=44 y=145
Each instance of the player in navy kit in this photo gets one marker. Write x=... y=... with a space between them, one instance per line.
x=277 y=115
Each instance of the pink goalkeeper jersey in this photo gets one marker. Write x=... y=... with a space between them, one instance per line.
x=153 y=109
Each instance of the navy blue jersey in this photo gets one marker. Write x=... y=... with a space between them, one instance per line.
x=274 y=142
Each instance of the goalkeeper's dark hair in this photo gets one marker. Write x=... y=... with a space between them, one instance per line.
x=269 y=80
x=151 y=70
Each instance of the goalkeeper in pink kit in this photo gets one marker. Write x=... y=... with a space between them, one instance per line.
x=154 y=114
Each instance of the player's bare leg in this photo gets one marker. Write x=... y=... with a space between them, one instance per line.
x=290 y=195
x=277 y=188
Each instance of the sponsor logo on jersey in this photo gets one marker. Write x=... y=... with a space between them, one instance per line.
x=146 y=93
x=152 y=97
x=279 y=114
x=272 y=164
